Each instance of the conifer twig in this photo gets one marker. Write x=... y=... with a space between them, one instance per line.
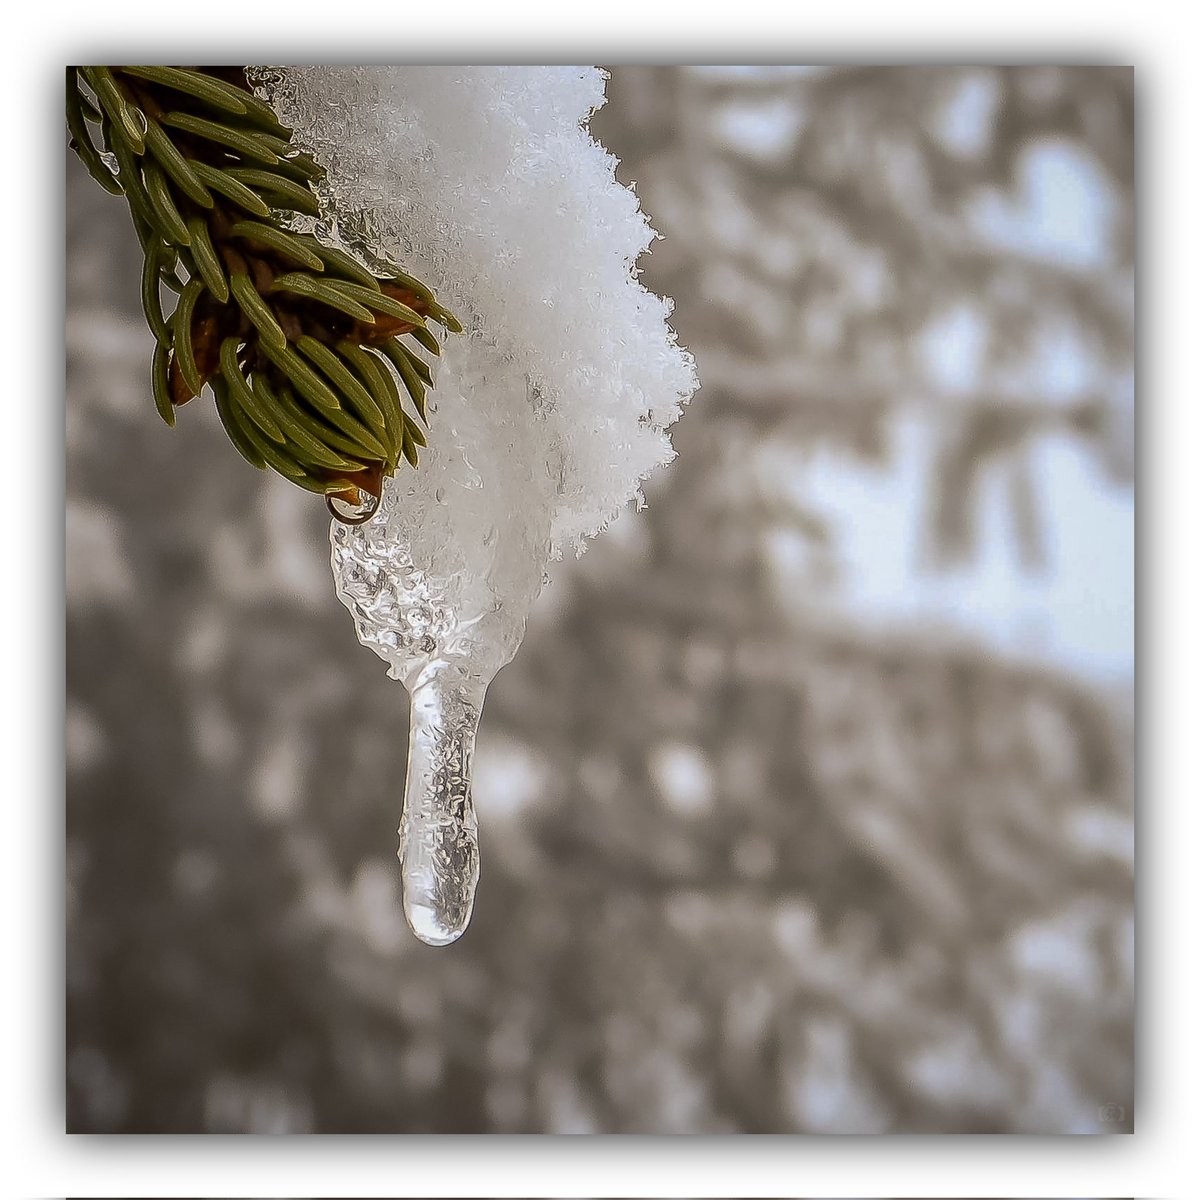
x=299 y=343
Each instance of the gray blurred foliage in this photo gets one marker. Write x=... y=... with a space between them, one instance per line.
x=747 y=867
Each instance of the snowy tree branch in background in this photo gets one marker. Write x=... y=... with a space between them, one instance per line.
x=860 y=246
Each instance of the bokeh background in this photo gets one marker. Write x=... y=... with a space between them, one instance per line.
x=807 y=804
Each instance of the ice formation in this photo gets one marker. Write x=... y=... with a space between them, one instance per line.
x=548 y=410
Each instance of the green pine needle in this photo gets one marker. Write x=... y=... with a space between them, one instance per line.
x=300 y=345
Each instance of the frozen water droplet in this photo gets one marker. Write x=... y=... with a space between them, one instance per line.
x=439 y=834
x=352 y=512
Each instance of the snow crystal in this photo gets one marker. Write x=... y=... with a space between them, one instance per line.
x=552 y=406
x=485 y=182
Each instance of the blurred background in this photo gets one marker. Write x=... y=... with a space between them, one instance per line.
x=806 y=805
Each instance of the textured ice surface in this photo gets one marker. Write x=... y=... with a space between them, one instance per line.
x=547 y=412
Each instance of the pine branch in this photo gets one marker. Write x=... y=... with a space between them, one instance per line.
x=301 y=346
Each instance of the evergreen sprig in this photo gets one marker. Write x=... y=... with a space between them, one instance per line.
x=301 y=345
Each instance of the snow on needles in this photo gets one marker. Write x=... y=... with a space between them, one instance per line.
x=485 y=182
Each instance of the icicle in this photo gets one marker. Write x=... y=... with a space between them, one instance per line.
x=547 y=411
x=439 y=582
x=439 y=835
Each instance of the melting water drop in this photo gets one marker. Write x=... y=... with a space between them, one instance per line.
x=439 y=834
x=353 y=507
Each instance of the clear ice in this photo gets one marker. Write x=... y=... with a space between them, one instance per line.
x=439 y=583
x=547 y=412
